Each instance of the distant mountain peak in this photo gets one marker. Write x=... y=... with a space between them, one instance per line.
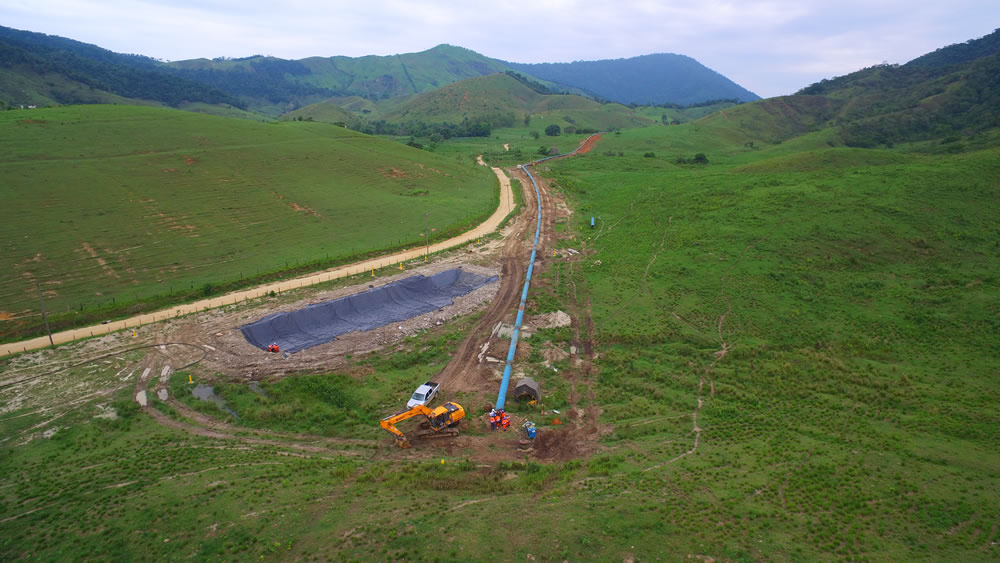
x=646 y=79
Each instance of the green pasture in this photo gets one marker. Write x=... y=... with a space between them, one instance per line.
x=117 y=204
x=854 y=414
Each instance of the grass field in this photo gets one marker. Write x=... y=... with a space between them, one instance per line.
x=828 y=314
x=108 y=205
x=838 y=307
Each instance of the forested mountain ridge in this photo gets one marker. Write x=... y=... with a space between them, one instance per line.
x=37 y=68
x=647 y=79
x=954 y=90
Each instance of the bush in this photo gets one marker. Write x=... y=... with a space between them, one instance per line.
x=650 y=155
x=553 y=130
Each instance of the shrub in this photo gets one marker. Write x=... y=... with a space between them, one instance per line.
x=553 y=130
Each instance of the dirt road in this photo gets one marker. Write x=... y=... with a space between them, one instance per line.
x=393 y=260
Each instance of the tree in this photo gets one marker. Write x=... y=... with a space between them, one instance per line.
x=553 y=130
x=700 y=158
x=534 y=134
x=527 y=120
x=543 y=150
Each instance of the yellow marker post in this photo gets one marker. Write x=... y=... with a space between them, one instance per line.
x=373 y=271
x=189 y=379
x=400 y=265
x=133 y=333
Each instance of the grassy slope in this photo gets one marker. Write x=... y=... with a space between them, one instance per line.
x=854 y=414
x=122 y=202
x=25 y=86
x=499 y=93
x=856 y=409
x=325 y=112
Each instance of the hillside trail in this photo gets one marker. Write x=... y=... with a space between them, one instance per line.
x=719 y=354
x=505 y=207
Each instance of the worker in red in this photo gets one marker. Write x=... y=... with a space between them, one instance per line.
x=273 y=348
x=504 y=420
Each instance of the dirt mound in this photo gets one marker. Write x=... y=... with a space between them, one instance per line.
x=563 y=443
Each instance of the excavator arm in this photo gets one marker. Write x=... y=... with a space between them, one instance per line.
x=389 y=423
x=441 y=421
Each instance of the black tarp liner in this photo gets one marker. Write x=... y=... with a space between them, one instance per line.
x=322 y=322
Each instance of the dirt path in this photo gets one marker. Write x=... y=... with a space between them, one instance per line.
x=503 y=209
x=464 y=371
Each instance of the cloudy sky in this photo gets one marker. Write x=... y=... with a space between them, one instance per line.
x=771 y=47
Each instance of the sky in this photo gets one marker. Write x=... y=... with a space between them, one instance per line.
x=771 y=47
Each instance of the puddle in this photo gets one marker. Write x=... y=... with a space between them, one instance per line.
x=256 y=388
x=207 y=393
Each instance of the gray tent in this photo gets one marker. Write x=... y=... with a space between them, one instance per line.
x=527 y=389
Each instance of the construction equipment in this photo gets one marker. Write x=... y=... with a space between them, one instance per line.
x=441 y=422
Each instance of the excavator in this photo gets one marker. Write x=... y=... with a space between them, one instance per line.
x=441 y=422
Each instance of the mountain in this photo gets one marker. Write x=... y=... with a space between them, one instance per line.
x=648 y=79
x=43 y=69
x=276 y=85
x=954 y=90
x=39 y=69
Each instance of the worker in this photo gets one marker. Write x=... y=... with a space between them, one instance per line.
x=505 y=420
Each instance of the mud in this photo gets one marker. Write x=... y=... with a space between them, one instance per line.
x=207 y=393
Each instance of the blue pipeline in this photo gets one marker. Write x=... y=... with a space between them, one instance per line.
x=502 y=395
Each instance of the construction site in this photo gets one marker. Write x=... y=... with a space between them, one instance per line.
x=331 y=327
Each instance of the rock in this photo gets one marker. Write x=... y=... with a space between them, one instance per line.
x=162 y=394
x=140 y=398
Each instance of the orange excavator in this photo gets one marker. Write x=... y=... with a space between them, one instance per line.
x=441 y=422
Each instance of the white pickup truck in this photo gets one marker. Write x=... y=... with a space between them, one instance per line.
x=423 y=394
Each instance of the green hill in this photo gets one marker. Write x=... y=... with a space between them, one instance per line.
x=503 y=100
x=326 y=112
x=952 y=91
x=110 y=205
x=277 y=85
x=946 y=103
x=39 y=69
